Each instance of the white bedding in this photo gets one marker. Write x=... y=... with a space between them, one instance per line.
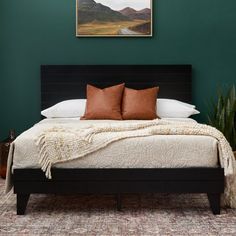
x=159 y=151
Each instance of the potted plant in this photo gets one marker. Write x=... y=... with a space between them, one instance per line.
x=223 y=115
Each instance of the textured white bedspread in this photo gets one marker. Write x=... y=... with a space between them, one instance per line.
x=159 y=151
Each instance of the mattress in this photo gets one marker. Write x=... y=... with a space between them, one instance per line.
x=158 y=151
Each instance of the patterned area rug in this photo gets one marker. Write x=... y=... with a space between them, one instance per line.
x=151 y=214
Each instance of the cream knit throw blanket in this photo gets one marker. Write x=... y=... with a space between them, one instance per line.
x=61 y=144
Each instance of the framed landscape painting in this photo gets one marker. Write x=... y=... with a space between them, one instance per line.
x=113 y=18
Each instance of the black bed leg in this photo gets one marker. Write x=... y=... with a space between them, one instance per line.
x=214 y=200
x=118 y=201
x=21 y=203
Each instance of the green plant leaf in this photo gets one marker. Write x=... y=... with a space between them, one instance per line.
x=222 y=114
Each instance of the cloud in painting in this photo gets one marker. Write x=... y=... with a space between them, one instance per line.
x=121 y=4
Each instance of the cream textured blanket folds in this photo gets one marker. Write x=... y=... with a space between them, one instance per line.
x=60 y=144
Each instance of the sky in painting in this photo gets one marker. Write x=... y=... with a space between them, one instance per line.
x=121 y=4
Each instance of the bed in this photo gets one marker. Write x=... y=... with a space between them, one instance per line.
x=61 y=82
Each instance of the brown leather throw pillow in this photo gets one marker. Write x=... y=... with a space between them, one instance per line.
x=104 y=103
x=139 y=104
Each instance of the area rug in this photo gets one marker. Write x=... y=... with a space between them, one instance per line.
x=146 y=214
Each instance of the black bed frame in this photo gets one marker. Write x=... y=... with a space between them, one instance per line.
x=66 y=82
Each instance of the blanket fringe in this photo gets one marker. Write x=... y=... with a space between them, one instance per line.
x=44 y=160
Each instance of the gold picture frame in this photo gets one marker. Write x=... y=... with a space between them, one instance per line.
x=103 y=18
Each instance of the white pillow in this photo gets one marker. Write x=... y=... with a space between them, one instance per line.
x=171 y=108
x=66 y=109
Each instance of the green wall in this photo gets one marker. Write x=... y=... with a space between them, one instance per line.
x=35 y=32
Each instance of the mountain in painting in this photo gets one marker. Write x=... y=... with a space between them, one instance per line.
x=128 y=11
x=89 y=11
x=144 y=14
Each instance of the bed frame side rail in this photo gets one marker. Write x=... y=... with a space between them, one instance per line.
x=118 y=181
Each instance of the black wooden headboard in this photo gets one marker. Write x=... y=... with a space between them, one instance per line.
x=62 y=82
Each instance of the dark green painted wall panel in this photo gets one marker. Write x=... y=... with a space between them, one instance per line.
x=197 y=32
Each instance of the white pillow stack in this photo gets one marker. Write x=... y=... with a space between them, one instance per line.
x=166 y=108
x=171 y=108
x=66 y=109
